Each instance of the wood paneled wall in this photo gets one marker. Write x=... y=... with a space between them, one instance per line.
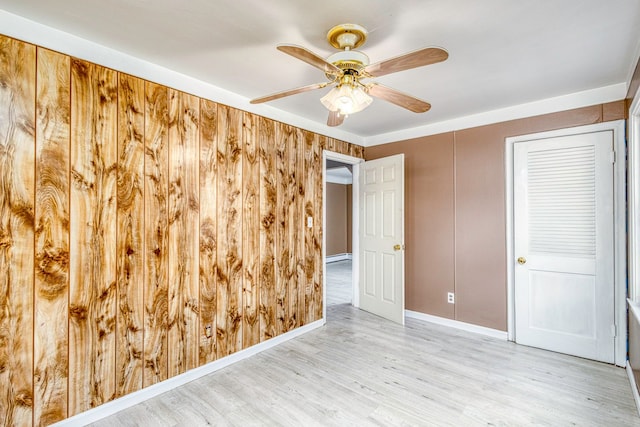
x=143 y=232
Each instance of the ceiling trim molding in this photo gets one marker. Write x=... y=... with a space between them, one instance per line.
x=48 y=37
x=585 y=98
x=338 y=179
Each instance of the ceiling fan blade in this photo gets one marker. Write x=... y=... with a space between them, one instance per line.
x=335 y=119
x=418 y=58
x=310 y=58
x=401 y=99
x=289 y=92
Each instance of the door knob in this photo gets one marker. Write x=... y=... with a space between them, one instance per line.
x=397 y=247
x=522 y=260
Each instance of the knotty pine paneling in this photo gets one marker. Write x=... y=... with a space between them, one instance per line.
x=130 y=234
x=156 y=240
x=310 y=203
x=184 y=178
x=317 y=228
x=133 y=216
x=268 y=206
x=229 y=253
x=51 y=308
x=17 y=178
x=301 y=224
x=208 y=229
x=293 y=226
x=284 y=250
x=92 y=287
x=250 y=231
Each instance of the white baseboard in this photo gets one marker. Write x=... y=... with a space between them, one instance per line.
x=634 y=386
x=502 y=335
x=337 y=257
x=132 y=399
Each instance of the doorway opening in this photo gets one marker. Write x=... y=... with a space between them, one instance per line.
x=340 y=236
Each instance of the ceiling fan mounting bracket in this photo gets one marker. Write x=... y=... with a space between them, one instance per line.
x=347 y=36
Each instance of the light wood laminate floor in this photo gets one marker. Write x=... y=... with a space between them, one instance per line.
x=362 y=370
x=339 y=282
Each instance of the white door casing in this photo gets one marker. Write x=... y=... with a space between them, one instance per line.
x=381 y=211
x=564 y=244
x=355 y=162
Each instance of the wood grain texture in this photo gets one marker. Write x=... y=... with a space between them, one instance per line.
x=301 y=224
x=322 y=142
x=51 y=335
x=356 y=151
x=283 y=248
x=331 y=144
x=250 y=231
x=208 y=229
x=156 y=222
x=130 y=235
x=17 y=187
x=92 y=287
x=229 y=254
x=268 y=204
x=310 y=201
x=183 y=324
x=132 y=216
x=293 y=226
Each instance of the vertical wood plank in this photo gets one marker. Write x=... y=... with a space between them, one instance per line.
x=331 y=144
x=292 y=229
x=299 y=225
x=208 y=230
x=268 y=200
x=92 y=287
x=17 y=182
x=342 y=147
x=322 y=142
x=52 y=237
x=283 y=248
x=250 y=230
x=229 y=256
x=183 y=232
x=156 y=222
x=310 y=200
x=130 y=234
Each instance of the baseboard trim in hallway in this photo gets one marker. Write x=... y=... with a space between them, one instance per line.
x=132 y=399
x=634 y=386
x=457 y=324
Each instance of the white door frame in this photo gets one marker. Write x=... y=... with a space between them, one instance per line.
x=620 y=231
x=355 y=240
x=634 y=200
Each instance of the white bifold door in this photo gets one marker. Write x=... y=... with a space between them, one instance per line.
x=381 y=205
x=564 y=244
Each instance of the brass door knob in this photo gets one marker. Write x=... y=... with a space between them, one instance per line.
x=522 y=260
x=397 y=247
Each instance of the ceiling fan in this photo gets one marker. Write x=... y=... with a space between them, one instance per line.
x=346 y=69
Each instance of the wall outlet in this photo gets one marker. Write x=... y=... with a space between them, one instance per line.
x=310 y=222
x=451 y=298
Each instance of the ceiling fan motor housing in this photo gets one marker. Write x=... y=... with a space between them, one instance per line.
x=349 y=60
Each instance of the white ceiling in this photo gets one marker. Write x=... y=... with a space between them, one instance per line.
x=503 y=53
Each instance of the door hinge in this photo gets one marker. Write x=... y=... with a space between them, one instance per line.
x=613 y=157
x=614 y=330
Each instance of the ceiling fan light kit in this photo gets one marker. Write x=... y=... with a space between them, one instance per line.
x=347 y=98
x=346 y=68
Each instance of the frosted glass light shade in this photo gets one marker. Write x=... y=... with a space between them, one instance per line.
x=346 y=99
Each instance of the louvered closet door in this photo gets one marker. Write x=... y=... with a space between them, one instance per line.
x=563 y=222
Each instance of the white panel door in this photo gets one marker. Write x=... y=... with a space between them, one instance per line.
x=381 y=199
x=564 y=247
